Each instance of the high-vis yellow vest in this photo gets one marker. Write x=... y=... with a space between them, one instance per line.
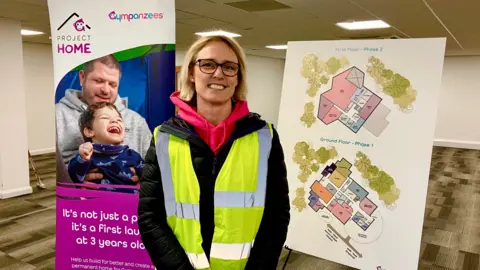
x=239 y=198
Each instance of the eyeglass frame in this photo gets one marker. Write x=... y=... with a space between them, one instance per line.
x=218 y=65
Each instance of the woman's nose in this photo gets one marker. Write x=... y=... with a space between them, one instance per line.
x=218 y=72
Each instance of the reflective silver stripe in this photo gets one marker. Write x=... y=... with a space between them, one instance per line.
x=250 y=199
x=234 y=199
x=187 y=210
x=265 y=145
x=181 y=210
x=198 y=261
x=231 y=251
x=161 y=147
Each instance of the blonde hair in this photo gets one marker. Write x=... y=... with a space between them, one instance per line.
x=186 y=86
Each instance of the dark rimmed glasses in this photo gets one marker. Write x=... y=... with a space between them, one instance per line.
x=209 y=66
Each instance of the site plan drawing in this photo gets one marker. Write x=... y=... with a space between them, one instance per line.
x=353 y=104
x=347 y=201
x=342 y=196
x=357 y=123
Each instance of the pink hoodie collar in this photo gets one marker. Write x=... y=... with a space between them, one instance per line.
x=214 y=136
x=190 y=115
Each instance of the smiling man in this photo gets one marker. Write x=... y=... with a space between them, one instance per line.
x=99 y=80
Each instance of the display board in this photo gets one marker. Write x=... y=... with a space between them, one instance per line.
x=357 y=121
x=113 y=52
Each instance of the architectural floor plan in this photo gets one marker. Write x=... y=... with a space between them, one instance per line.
x=354 y=105
x=346 y=199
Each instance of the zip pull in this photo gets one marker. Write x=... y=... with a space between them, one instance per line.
x=214 y=164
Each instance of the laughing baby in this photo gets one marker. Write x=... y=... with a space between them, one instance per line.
x=103 y=131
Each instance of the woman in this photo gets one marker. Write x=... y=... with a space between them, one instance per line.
x=214 y=192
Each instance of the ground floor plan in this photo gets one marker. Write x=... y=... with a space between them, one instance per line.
x=347 y=200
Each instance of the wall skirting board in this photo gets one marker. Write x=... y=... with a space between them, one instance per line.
x=15 y=192
x=457 y=144
x=42 y=151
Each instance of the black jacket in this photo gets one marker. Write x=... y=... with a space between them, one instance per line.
x=159 y=240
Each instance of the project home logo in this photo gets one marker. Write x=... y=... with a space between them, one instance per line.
x=135 y=16
x=77 y=41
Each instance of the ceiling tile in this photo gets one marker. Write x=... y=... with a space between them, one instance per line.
x=330 y=11
x=258 y=5
x=183 y=15
x=220 y=12
x=461 y=19
x=203 y=24
x=43 y=3
x=226 y=1
x=22 y=11
x=411 y=17
x=287 y=17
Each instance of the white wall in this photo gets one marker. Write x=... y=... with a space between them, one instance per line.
x=264 y=80
x=458 y=113
x=38 y=68
x=14 y=174
x=459 y=98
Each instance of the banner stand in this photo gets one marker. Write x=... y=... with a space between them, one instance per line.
x=113 y=78
x=288 y=256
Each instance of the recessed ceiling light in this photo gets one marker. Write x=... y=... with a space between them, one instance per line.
x=362 y=25
x=25 y=32
x=217 y=33
x=277 y=47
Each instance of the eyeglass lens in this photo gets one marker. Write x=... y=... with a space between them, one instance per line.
x=210 y=66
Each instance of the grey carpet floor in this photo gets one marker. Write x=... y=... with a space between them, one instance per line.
x=450 y=240
x=27 y=223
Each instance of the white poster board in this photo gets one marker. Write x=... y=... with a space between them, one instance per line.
x=357 y=121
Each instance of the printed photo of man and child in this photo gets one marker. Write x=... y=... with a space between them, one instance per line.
x=99 y=140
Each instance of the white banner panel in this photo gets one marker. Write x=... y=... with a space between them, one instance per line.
x=121 y=52
x=85 y=30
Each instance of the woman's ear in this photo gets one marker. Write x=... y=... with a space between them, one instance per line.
x=190 y=75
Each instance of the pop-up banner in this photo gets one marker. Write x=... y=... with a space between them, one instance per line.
x=114 y=70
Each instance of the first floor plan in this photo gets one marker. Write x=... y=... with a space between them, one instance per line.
x=353 y=104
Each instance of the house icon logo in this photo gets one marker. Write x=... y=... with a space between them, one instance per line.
x=78 y=24
x=77 y=41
